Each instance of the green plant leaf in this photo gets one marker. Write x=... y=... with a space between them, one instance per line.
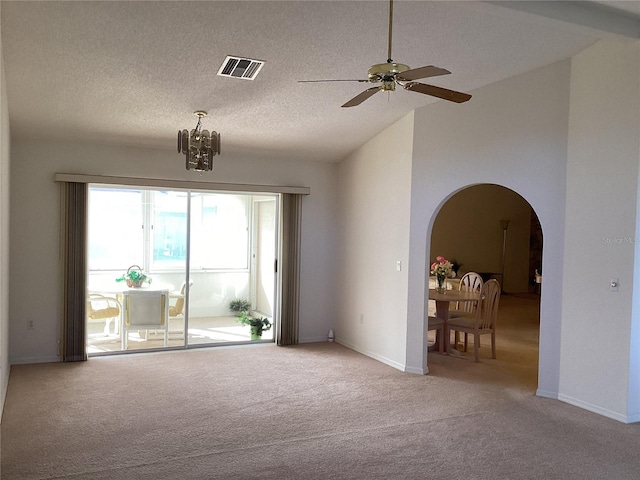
x=239 y=305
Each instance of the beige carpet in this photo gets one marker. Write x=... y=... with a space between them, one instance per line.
x=315 y=411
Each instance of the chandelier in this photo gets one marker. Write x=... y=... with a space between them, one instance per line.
x=199 y=146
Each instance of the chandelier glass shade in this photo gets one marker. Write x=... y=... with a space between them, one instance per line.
x=199 y=146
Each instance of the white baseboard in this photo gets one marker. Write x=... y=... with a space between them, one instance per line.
x=589 y=407
x=312 y=340
x=417 y=371
x=380 y=358
x=546 y=394
x=635 y=418
x=594 y=408
x=30 y=360
x=386 y=361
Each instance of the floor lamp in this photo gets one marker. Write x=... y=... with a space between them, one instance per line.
x=505 y=227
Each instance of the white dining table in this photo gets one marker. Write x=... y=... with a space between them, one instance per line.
x=119 y=287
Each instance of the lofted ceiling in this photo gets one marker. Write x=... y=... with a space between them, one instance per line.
x=133 y=73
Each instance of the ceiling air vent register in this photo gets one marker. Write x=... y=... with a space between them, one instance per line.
x=238 y=67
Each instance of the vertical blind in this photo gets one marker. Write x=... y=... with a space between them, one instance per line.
x=75 y=271
x=290 y=264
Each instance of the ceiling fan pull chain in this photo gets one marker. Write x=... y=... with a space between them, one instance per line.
x=390 y=30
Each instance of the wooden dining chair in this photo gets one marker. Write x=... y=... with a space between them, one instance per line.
x=483 y=321
x=437 y=324
x=470 y=282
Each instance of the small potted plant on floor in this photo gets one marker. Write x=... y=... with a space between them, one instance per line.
x=258 y=325
x=239 y=306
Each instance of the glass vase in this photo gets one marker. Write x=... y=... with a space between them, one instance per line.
x=442 y=285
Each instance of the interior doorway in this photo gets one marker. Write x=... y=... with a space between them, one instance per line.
x=494 y=231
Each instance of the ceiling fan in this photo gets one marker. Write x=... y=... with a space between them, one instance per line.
x=390 y=74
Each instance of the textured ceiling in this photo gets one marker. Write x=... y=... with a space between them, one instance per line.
x=630 y=6
x=132 y=73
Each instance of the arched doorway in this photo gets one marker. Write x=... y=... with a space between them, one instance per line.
x=494 y=231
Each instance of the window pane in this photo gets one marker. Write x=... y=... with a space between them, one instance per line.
x=169 y=238
x=219 y=231
x=115 y=228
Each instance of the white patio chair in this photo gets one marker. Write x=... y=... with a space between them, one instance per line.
x=145 y=310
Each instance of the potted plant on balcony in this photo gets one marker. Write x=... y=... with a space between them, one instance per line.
x=239 y=305
x=134 y=277
x=258 y=325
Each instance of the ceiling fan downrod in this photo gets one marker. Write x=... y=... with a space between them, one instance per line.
x=390 y=31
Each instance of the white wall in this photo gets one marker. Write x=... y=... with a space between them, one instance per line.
x=4 y=234
x=35 y=221
x=374 y=190
x=512 y=133
x=599 y=369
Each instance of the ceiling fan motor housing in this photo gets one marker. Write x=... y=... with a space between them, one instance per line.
x=386 y=71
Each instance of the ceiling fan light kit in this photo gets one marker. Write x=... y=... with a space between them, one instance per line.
x=199 y=146
x=391 y=74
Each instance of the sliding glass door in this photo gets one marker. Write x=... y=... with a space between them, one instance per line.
x=199 y=250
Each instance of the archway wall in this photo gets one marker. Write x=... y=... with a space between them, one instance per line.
x=512 y=133
x=566 y=138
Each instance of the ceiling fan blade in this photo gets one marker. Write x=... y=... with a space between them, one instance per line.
x=358 y=99
x=318 y=81
x=422 y=72
x=439 y=92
